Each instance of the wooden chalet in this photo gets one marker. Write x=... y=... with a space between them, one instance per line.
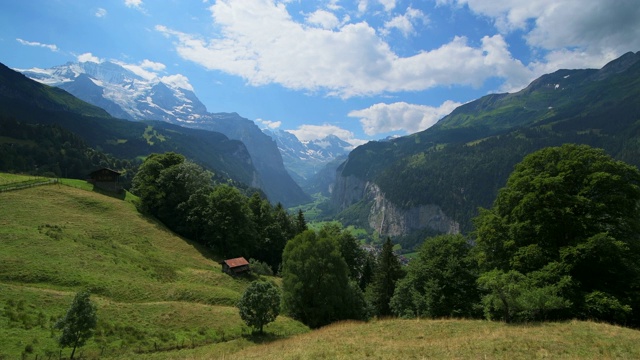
x=235 y=266
x=105 y=179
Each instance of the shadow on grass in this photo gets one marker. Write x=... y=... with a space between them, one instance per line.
x=264 y=338
x=120 y=194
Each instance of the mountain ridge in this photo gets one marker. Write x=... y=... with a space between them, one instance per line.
x=460 y=163
x=31 y=102
x=139 y=99
x=305 y=160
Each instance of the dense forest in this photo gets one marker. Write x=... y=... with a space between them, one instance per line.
x=50 y=150
x=561 y=241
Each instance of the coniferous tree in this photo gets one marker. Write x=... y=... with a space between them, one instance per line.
x=301 y=223
x=388 y=271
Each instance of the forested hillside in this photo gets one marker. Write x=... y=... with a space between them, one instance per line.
x=29 y=102
x=460 y=163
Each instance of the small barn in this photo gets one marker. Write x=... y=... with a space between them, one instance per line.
x=235 y=266
x=105 y=179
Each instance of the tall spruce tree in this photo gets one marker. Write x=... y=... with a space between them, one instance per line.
x=388 y=271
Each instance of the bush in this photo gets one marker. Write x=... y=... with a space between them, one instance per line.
x=260 y=268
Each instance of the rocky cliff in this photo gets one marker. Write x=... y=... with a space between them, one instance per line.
x=385 y=217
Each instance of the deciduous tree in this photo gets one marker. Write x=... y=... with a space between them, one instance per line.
x=260 y=304
x=440 y=281
x=576 y=207
x=78 y=324
x=316 y=285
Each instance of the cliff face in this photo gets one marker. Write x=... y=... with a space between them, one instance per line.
x=385 y=217
x=389 y=219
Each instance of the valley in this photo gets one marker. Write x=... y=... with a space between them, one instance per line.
x=518 y=208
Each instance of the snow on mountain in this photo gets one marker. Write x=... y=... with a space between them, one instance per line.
x=127 y=95
x=140 y=98
x=306 y=158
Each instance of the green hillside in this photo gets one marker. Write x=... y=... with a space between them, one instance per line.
x=28 y=102
x=153 y=289
x=162 y=297
x=460 y=163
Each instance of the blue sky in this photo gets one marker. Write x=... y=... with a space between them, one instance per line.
x=362 y=69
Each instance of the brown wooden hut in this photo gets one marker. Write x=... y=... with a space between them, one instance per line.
x=105 y=179
x=235 y=266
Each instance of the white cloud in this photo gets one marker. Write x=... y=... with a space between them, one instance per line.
x=88 y=57
x=401 y=116
x=155 y=66
x=101 y=12
x=269 y=124
x=362 y=6
x=150 y=71
x=404 y=23
x=323 y=18
x=388 y=4
x=177 y=80
x=350 y=61
x=315 y=132
x=139 y=70
x=133 y=3
x=333 y=5
x=589 y=33
x=51 y=47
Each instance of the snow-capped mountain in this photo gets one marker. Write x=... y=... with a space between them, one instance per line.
x=307 y=158
x=125 y=94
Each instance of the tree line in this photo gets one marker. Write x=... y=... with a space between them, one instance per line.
x=197 y=204
x=561 y=241
x=50 y=150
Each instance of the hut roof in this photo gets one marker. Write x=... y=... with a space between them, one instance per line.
x=236 y=262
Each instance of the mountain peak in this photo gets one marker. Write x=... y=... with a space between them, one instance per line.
x=617 y=66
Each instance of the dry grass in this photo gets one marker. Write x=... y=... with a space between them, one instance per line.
x=455 y=339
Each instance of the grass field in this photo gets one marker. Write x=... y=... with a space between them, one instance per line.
x=454 y=339
x=153 y=289
x=162 y=297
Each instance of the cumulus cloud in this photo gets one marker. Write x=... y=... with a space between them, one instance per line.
x=315 y=132
x=269 y=124
x=587 y=33
x=151 y=71
x=146 y=69
x=133 y=3
x=401 y=116
x=101 y=12
x=155 y=66
x=177 y=80
x=324 y=19
x=88 y=57
x=388 y=4
x=404 y=23
x=350 y=61
x=51 y=47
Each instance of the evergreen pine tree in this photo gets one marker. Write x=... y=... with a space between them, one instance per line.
x=388 y=271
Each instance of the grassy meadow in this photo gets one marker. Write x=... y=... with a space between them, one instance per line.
x=154 y=290
x=454 y=339
x=160 y=296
